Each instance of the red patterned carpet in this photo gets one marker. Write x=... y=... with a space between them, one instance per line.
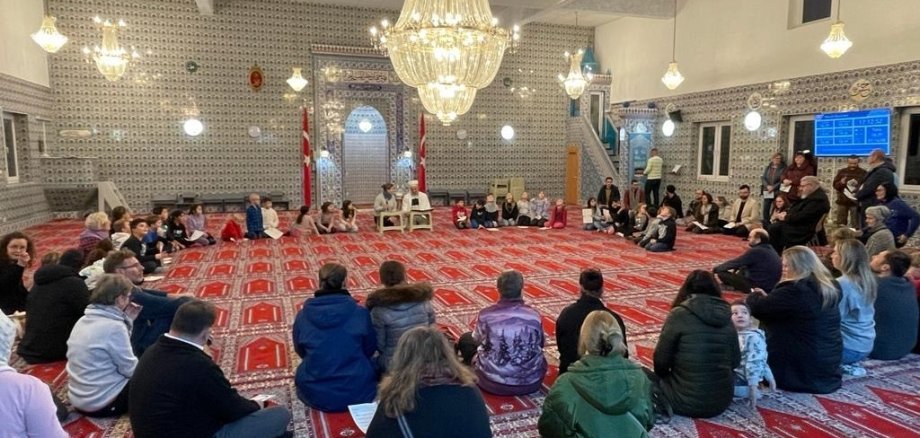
x=259 y=286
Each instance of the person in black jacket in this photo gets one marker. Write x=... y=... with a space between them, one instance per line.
x=802 y=321
x=178 y=391
x=55 y=303
x=881 y=171
x=797 y=225
x=664 y=235
x=568 y=325
x=149 y=255
x=698 y=350
x=16 y=254
x=758 y=267
x=609 y=196
x=672 y=200
x=428 y=392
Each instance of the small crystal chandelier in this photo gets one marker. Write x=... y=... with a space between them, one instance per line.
x=296 y=81
x=577 y=80
x=672 y=78
x=111 y=59
x=48 y=37
x=837 y=42
x=447 y=49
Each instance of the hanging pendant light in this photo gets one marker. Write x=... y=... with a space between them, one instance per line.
x=111 y=59
x=837 y=42
x=575 y=83
x=672 y=78
x=296 y=81
x=48 y=37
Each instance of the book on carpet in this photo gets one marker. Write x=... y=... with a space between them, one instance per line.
x=701 y=226
x=274 y=233
x=362 y=414
x=586 y=217
x=197 y=234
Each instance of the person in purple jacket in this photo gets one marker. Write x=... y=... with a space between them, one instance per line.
x=506 y=347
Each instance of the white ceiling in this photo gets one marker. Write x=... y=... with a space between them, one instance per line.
x=591 y=13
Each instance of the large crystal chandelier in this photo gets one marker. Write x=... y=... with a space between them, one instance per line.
x=110 y=58
x=672 y=78
x=48 y=36
x=577 y=80
x=447 y=49
x=837 y=42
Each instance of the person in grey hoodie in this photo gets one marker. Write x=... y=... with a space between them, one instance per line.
x=396 y=308
x=100 y=361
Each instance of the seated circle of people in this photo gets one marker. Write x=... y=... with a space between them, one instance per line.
x=697 y=351
x=603 y=393
x=798 y=225
x=157 y=308
x=571 y=319
x=27 y=408
x=100 y=360
x=55 y=304
x=336 y=342
x=396 y=308
x=178 y=391
x=758 y=267
x=802 y=320
x=506 y=347
x=858 y=290
x=896 y=312
x=428 y=392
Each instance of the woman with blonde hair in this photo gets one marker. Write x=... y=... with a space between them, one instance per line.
x=857 y=303
x=802 y=320
x=425 y=368
x=603 y=394
x=96 y=228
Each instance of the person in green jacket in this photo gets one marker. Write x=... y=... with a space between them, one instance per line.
x=603 y=393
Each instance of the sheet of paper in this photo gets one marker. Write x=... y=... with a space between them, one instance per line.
x=586 y=216
x=768 y=194
x=491 y=229
x=729 y=225
x=701 y=226
x=363 y=414
x=197 y=234
x=784 y=188
x=274 y=233
x=153 y=278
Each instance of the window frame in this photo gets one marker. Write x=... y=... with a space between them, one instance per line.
x=797 y=9
x=790 y=137
x=716 y=153
x=905 y=115
x=7 y=143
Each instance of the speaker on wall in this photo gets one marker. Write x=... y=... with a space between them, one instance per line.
x=676 y=116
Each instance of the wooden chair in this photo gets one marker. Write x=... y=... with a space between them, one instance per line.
x=381 y=227
x=420 y=213
x=815 y=242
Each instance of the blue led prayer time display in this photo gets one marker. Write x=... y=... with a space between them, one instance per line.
x=853 y=133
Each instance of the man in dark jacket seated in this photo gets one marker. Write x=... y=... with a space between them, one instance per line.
x=896 y=311
x=149 y=255
x=797 y=225
x=55 y=303
x=157 y=308
x=178 y=391
x=759 y=266
x=609 y=196
x=568 y=325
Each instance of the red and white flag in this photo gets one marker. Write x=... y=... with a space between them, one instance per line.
x=307 y=174
x=421 y=152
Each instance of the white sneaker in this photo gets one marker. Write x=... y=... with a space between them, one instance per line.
x=853 y=370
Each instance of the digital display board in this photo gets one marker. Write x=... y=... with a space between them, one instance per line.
x=853 y=133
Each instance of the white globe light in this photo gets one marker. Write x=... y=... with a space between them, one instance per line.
x=667 y=128
x=193 y=127
x=752 y=121
x=365 y=126
x=507 y=132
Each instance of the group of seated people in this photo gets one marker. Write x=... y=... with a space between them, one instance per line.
x=525 y=212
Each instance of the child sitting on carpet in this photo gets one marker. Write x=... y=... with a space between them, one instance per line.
x=330 y=221
x=598 y=222
x=122 y=232
x=664 y=235
x=539 y=208
x=349 y=216
x=523 y=210
x=754 y=368
x=304 y=224
x=509 y=211
x=232 y=232
x=558 y=218
x=479 y=217
x=492 y=211
x=254 y=225
x=459 y=215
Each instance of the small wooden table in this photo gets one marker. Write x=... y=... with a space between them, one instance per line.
x=420 y=213
x=381 y=227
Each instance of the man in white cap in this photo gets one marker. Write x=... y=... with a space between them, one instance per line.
x=416 y=201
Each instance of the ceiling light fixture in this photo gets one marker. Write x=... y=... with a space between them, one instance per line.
x=365 y=126
x=672 y=78
x=48 y=37
x=111 y=59
x=578 y=78
x=193 y=127
x=837 y=42
x=447 y=49
x=667 y=128
x=296 y=81
x=753 y=120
